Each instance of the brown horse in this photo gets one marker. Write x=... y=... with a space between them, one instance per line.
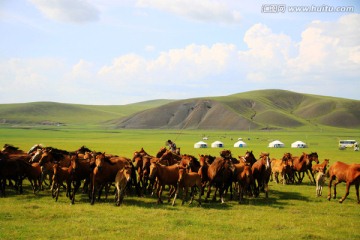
x=249 y=158
x=342 y=172
x=32 y=171
x=188 y=180
x=61 y=175
x=261 y=171
x=244 y=179
x=283 y=168
x=191 y=162
x=166 y=175
x=303 y=164
x=321 y=166
x=81 y=170
x=11 y=169
x=219 y=174
x=122 y=178
x=105 y=172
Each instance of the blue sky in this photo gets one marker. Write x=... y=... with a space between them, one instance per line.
x=120 y=52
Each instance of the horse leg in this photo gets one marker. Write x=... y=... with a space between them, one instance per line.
x=335 y=183
x=208 y=192
x=346 y=193
x=311 y=179
x=185 y=195
x=176 y=193
x=357 y=192
x=159 y=193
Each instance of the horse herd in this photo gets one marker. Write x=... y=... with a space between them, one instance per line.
x=147 y=175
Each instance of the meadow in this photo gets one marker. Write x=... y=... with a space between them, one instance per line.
x=291 y=211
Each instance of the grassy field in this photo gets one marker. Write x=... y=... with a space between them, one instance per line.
x=291 y=211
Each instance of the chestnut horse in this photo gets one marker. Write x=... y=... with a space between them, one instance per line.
x=166 y=175
x=303 y=164
x=105 y=172
x=244 y=180
x=342 y=172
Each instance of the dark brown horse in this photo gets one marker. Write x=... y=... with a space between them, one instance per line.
x=219 y=174
x=61 y=175
x=342 y=172
x=248 y=158
x=261 y=171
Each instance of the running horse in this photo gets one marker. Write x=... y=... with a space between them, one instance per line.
x=303 y=164
x=342 y=172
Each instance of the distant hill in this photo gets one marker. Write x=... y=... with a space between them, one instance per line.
x=262 y=109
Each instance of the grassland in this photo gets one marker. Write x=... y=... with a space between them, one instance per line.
x=291 y=212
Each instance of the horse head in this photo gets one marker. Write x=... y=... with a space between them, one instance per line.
x=249 y=157
x=314 y=157
x=99 y=160
x=153 y=170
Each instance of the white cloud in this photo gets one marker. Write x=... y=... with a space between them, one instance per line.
x=199 y=10
x=77 y=11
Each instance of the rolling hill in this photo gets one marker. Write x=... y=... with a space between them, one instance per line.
x=262 y=109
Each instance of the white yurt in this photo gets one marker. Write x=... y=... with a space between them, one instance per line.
x=276 y=144
x=200 y=144
x=217 y=144
x=298 y=144
x=240 y=144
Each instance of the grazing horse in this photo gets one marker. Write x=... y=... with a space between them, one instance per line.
x=261 y=171
x=122 y=178
x=342 y=172
x=303 y=164
x=188 y=180
x=166 y=175
x=105 y=172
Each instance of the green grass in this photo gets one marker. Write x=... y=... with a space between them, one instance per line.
x=291 y=212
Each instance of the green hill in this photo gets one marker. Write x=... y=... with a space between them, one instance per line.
x=262 y=109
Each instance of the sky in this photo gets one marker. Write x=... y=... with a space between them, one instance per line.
x=109 y=52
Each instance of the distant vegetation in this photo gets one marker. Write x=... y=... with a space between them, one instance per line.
x=262 y=110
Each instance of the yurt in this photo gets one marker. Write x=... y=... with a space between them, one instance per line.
x=276 y=144
x=298 y=144
x=200 y=144
x=240 y=144
x=217 y=144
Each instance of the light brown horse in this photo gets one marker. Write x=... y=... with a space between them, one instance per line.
x=342 y=172
x=166 y=175
x=321 y=166
x=122 y=178
x=281 y=167
x=188 y=180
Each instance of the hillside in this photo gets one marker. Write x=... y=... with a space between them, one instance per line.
x=262 y=109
